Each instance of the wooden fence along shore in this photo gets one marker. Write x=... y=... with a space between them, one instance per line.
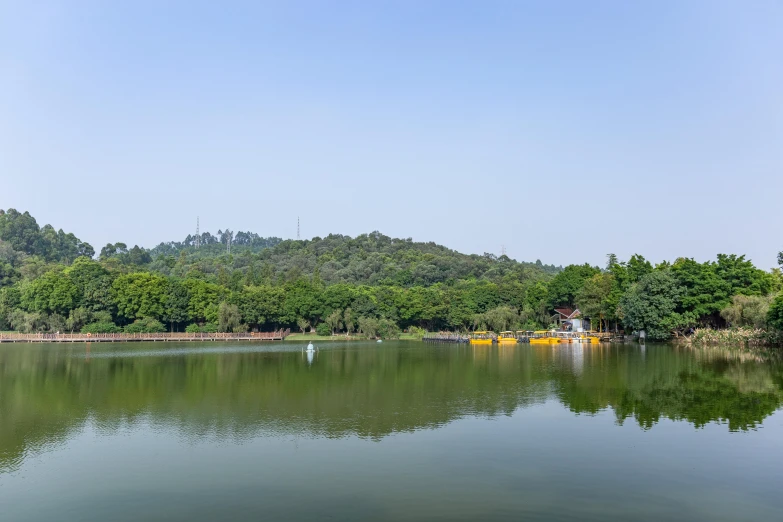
x=446 y=338
x=137 y=337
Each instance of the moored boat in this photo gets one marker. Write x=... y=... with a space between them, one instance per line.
x=482 y=337
x=543 y=337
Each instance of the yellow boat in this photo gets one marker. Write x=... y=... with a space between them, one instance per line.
x=543 y=337
x=507 y=337
x=482 y=337
x=592 y=338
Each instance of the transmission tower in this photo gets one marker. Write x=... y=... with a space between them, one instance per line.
x=198 y=234
x=228 y=243
x=297 y=228
x=502 y=250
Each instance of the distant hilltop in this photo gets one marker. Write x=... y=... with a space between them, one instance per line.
x=372 y=258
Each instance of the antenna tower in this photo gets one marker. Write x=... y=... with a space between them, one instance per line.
x=502 y=250
x=228 y=243
x=297 y=228
x=198 y=234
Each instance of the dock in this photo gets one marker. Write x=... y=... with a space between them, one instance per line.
x=446 y=338
x=141 y=337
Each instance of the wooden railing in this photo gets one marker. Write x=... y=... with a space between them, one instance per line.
x=124 y=337
x=445 y=337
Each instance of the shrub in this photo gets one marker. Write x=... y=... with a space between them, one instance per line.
x=415 y=331
x=95 y=328
x=205 y=328
x=323 y=329
x=145 y=325
x=388 y=329
x=209 y=328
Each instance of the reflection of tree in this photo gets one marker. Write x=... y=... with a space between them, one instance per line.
x=673 y=384
x=365 y=392
x=46 y=394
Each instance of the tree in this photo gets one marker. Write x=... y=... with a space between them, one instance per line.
x=77 y=318
x=110 y=251
x=595 y=297
x=302 y=299
x=499 y=319
x=349 y=321
x=229 y=319
x=94 y=283
x=566 y=285
x=260 y=305
x=303 y=324
x=650 y=304
x=175 y=308
x=140 y=294
x=369 y=326
x=746 y=310
x=53 y=292
x=138 y=256
x=8 y=275
x=637 y=267
x=388 y=329
x=335 y=320
x=741 y=277
x=25 y=322
x=775 y=313
x=204 y=299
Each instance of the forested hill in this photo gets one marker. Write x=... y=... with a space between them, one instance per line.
x=370 y=259
x=21 y=234
x=49 y=282
x=215 y=245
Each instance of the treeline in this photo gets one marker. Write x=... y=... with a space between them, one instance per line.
x=371 y=284
x=673 y=298
x=20 y=234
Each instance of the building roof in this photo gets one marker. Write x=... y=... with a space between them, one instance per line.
x=568 y=313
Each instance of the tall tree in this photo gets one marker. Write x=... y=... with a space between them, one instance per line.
x=650 y=304
x=52 y=293
x=334 y=320
x=175 y=308
x=566 y=285
x=140 y=294
x=595 y=298
x=229 y=319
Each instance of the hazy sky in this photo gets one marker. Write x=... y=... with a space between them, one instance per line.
x=562 y=130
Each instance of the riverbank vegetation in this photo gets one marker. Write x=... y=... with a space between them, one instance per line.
x=371 y=285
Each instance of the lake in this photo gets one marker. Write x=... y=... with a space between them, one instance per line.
x=391 y=431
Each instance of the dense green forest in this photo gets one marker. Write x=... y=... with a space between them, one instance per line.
x=50 y=281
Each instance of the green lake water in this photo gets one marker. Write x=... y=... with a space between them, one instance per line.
x=391 y=431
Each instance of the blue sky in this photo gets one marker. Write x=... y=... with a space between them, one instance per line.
x=562 y=130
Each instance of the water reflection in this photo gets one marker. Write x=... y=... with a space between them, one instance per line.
x=49 y=391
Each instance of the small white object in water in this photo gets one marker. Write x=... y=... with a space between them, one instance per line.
x=310 y=347
x=378 y=341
